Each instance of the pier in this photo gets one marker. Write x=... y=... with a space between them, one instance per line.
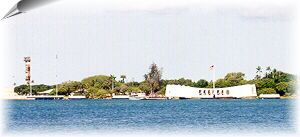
x=45 y=97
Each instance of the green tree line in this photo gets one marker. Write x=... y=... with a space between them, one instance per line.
x=268 y=81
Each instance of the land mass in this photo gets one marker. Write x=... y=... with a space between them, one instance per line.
x=268 y=81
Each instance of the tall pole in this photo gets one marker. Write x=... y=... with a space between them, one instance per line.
x=212 y=68
x=214 y=75
x=56 y=57
x=14 y=80
x=112 y=82
x=30 y=88
x=27 y=73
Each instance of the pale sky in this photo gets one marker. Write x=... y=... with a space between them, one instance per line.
x=184 y=40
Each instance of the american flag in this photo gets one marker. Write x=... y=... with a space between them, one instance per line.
x=212 y=67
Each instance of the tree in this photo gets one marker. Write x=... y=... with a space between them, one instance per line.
x=113 y=79
x=95 y=93
x=145 y=87
x=235 y=78
x=258 y=72
x=133 y=84
x=186 y=82
x=268 y=72
x=153 y=78
x=265 y=83
x=201 y=83
x=266 y=91
x=123 y=77
x=273 y=73
x=24 y=89
x=221 y=83
x=282 y=88
x=123 y=89
x=66 y=88
x=162 y=91
x=98 y=81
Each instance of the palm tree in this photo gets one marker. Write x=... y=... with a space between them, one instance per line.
x=274 y=73
x=258 y=72
x=268 y=69
x=123 y=77
x=112 y=77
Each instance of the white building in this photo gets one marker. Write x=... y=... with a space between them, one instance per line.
x=45 y=93
x=243 y=91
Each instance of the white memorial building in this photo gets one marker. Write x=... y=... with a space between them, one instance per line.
x=243 y=91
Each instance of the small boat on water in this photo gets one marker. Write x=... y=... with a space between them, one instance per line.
x=120 y=97
x=136 y=98
x=269 y=96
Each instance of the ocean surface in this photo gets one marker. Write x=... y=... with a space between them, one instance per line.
x=150 y=116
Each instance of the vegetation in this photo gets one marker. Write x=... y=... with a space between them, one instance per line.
x=280 y=82
x=267 y=91
x=66 y=88
x=96 y=93
x=153 y=79
x=25 y=89
x=270 y=81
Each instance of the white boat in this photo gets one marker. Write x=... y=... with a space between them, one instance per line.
x=136 y=98
x=269 y=96
x=120 y=97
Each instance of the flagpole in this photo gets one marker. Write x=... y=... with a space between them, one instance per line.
x=214 y=73
x=56 y=88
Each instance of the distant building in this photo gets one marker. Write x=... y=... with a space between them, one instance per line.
x=45 y=93
x=243 y=91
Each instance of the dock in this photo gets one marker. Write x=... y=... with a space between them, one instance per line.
x=45 y=97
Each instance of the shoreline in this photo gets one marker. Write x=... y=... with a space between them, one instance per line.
x=25 y=98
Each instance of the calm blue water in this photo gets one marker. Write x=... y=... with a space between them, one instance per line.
x=156 y=116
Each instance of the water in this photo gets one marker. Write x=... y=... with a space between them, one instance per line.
x=155 y=116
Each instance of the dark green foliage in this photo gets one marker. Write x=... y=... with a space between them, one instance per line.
x=95 y=93
x=202 y=83
x=266 y=91
x=24 y=89
x=234 y=79
x=144 y=86
x=123 y=77
x=66 y=88
x=133 y=84
x=181 y=81
x=99 y=81
x=221 y=83
x=265 y=83
x=282 y=83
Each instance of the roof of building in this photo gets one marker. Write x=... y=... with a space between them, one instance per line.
x=46 y=92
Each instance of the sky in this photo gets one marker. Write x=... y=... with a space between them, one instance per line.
x=183 y=39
